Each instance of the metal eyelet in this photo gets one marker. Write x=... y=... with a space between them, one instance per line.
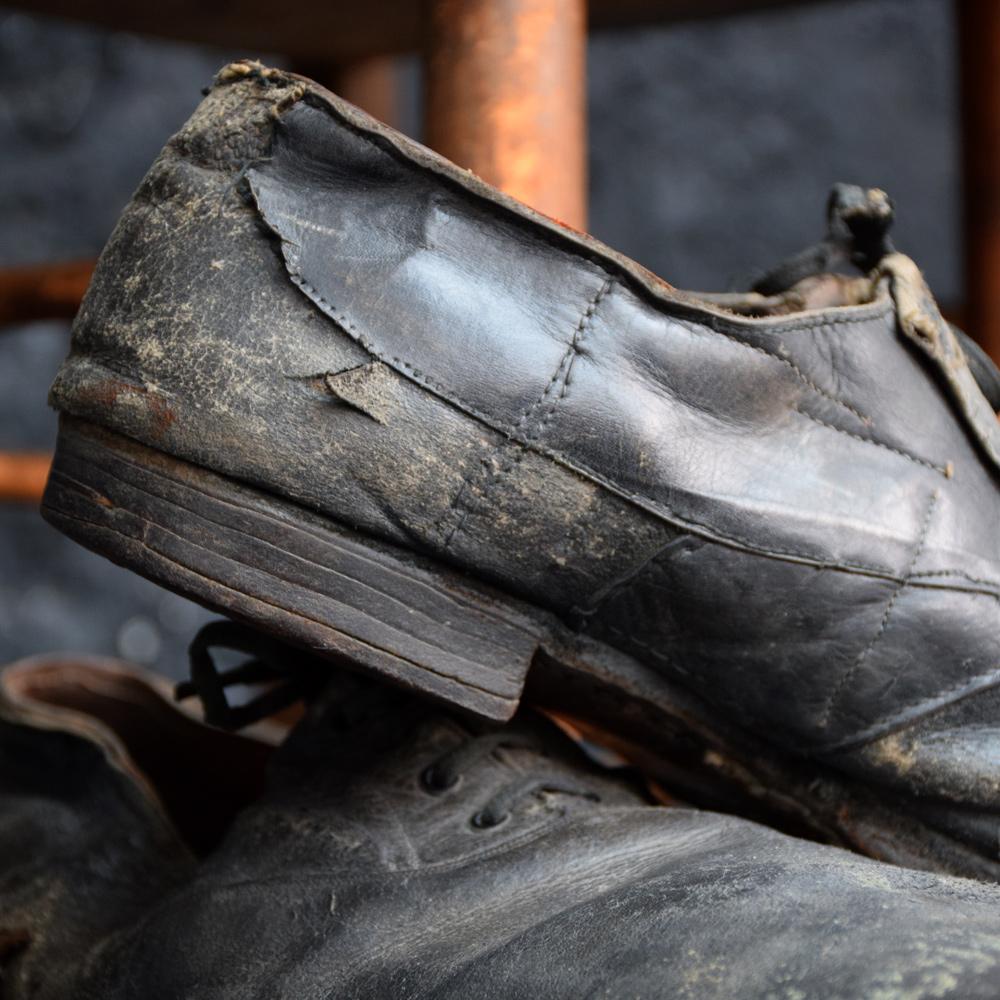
x=483 y=821
x=431 y=780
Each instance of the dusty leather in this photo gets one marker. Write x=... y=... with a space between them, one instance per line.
x=794 y=515
x=352 y=877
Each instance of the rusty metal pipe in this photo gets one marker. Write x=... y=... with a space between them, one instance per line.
x=22 y=476
x=43 y=291
x=370 y=82
x=506 y=97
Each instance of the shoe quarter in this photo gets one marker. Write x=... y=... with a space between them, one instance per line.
x=693 y=422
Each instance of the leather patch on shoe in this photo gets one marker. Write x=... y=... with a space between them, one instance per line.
x=367 y=388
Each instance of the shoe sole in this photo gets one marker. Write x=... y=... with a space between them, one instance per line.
x=323 y=586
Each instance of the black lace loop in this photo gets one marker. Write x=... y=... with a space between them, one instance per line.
x=446 y=772
x=293 y=675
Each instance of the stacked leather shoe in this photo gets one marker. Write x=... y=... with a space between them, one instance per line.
x=399 y=850
x=332 y=385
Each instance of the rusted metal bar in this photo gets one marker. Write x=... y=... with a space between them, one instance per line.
x=370 y=82
x=979 y=39
x=23 y=475
x=506 y=96
x=43 y=291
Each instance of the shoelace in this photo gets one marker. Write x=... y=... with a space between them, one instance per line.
x=446 y=773
x=291 y=674
x=296 y=675
x=858 y=224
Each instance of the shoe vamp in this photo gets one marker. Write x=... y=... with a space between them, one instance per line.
x=664 y=901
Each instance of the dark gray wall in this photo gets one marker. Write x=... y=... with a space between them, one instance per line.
x=713 y=145
x=712 y=148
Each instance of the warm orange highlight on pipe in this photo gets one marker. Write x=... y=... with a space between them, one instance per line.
x=23 y=475
x=43 y=291
x=506 y=97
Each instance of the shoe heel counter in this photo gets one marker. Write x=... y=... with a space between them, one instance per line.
x=189 y=308
x=193 y=340
x=146 y=277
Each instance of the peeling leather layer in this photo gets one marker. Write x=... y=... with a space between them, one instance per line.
x=545 y=329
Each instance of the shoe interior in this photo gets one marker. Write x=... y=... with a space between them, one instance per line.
x=201 y=776
x=820 y=291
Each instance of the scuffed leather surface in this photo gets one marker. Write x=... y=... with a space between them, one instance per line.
x=192 y=340
x=818 y=440
x=794 y=515
x=348 y=879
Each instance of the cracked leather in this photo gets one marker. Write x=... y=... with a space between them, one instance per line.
x=351 y=877
x=794 y=515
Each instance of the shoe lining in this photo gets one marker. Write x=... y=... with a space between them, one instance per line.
x=821 y=291
x=202 y=776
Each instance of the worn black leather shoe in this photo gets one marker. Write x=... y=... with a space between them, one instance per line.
x=107 y=794
x=402 y=852
x=329 y=383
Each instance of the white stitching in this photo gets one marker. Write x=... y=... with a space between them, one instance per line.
x=648 y=503
x=940 y=469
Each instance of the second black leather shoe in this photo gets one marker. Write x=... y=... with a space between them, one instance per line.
x=399 y=851
x=328 y=382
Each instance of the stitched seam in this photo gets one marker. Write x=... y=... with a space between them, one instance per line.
x=561 y=374
x=849 y=673
x=648 y=503
x=826 y=394
x=655 y=653
x=955 y=572
x=939 y=469
x=630 y=577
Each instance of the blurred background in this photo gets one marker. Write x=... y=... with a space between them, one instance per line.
x=711 y=144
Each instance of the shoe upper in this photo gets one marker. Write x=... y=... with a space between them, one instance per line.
x=400 y=851
x=793 y=513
